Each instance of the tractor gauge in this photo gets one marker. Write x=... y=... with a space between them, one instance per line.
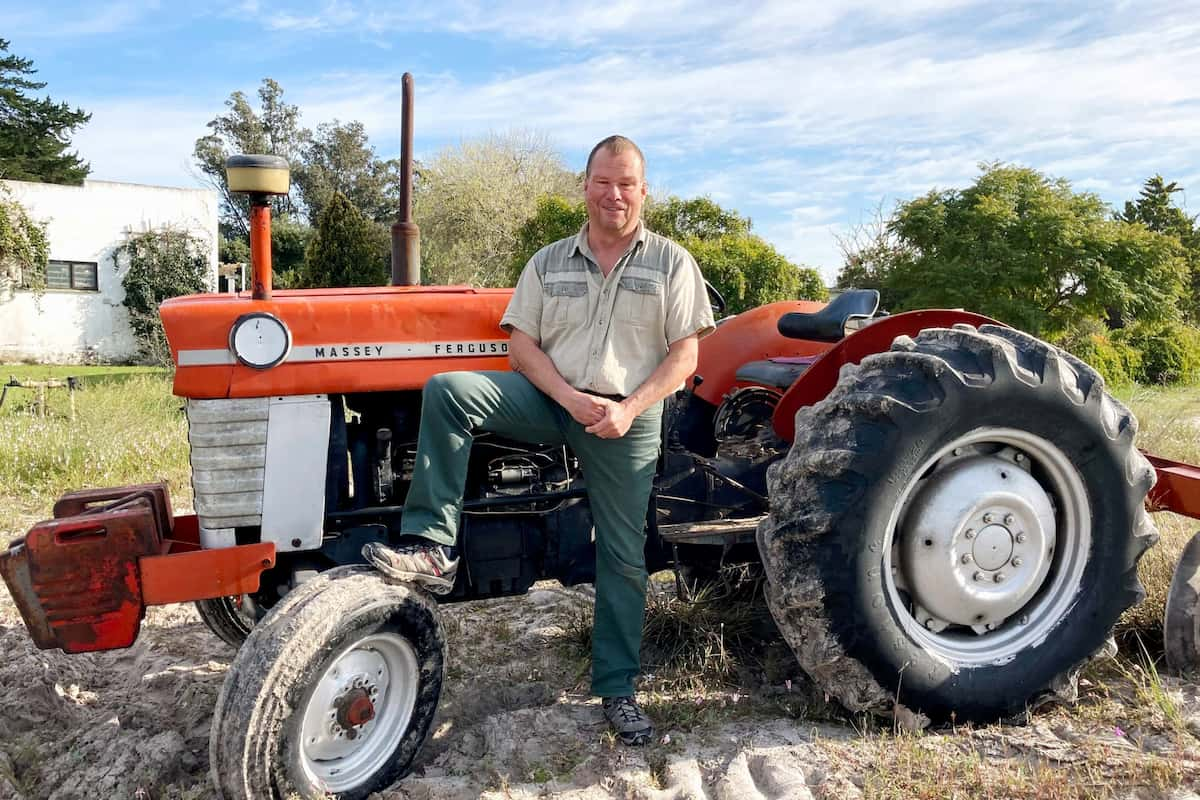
x=260 y=340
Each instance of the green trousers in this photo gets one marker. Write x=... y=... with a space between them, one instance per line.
x=619 y=474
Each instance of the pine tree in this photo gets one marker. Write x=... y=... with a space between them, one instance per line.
x=35 y=133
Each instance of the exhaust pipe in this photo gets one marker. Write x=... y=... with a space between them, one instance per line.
x=406 y=237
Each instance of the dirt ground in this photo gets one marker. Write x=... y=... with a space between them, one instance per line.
x=515 y=722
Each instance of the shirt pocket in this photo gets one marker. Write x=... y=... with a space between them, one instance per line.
x=564 y=301
x=640 y=302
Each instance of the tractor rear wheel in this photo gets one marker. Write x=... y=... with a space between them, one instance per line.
x=1181 y=623
x=957 y=526
x=333 y=693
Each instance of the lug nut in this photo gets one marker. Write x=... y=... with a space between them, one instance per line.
x=1018 y=457
x=1009 y=519
x=998 y=577
x=978 y=576
x=970 y=534
x=1021 y=537
x=988 y=517
x=966 y=558
x=958 y=451
x=1016 y=562
x=929 y=624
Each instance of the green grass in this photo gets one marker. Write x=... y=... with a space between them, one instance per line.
x=128 y=428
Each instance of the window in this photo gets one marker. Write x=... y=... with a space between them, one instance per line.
x=78 y=275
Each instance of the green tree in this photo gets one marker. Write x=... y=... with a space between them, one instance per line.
x=24 y=251
x=274 y=129
x=35 y=133
x=1155 y=208
x=749 y=272
x=162 y=264
x=347 y=250
x=555 y=218
x=1026 y=249
x=338 y=158
x=697 y=218
x=470 y=201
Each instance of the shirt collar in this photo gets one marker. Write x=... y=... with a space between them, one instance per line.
x=581 y=243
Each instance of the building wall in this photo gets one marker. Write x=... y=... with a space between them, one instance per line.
x=88 y=223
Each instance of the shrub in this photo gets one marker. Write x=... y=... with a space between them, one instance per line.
x=23 y=247
x=1170 y=352
x=347 y=250
x=162 y=264
x=1113 y=357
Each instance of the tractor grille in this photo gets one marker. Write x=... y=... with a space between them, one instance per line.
x=229 y=449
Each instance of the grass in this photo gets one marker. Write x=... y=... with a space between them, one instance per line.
x=128 y=428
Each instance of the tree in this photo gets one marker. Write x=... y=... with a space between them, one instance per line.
x=1155 y=209
x=471 y=200
x=749 y=272
x=35 y=133
x=347 y=250
x=871 y=253
x=1026 y=249
x=555 y=218
x=274 y=130
x=338 y=158
x=698 y=218
x=162 y=264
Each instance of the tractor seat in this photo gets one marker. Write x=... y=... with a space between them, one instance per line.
x=829 y=324
x=778 y=372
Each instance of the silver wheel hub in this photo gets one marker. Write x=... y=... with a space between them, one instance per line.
x=976 y=542
x=358 y=711
x=988 y=546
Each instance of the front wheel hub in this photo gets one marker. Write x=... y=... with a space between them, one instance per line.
x=977 y=542
x=355 y=708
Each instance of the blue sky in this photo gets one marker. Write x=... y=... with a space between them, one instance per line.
x=804 y=116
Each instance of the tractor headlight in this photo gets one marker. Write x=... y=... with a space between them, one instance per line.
x=260 y=340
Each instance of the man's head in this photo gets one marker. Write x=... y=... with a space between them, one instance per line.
x=615 y=185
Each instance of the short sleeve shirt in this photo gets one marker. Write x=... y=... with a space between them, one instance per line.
x=607 y=335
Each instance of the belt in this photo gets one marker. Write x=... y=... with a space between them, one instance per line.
x=616 y=398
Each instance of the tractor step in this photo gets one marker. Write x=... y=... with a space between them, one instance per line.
x=718 y=531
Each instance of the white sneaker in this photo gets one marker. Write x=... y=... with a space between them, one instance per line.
x=424 y=564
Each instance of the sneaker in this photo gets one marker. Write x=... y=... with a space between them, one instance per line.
x=428 y=564
x=628 y=720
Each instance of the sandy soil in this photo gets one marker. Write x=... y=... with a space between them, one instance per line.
x=514 y=722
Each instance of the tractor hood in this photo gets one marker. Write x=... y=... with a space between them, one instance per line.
x=316 y=341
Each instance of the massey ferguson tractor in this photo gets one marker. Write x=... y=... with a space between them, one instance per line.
x=949 y=512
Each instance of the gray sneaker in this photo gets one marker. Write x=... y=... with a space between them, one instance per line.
x=628 y=720
x=427 y=564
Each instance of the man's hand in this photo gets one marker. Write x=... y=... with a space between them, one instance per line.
x=614 y=423
x=586 y=409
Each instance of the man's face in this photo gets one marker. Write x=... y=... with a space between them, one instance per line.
x=615 y=189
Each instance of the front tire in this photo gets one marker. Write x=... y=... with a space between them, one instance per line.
x=332 y=694
x=957 y=526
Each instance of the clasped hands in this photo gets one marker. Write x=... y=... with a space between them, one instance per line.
x=600 y=416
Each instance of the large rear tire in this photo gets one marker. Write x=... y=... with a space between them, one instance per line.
x=957 y=526
x=332 y=694
x=1181 y=622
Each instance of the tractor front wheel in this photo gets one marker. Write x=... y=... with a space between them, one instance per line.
x=333 y=693
x=957 y=526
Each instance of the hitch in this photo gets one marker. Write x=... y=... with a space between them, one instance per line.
x=82 y=581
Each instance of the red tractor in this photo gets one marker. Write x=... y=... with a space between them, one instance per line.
x=949 y=512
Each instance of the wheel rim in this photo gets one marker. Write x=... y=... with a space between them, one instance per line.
x=988 y=546
x=358 y=712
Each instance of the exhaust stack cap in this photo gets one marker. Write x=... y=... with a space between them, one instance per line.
x=258 y=174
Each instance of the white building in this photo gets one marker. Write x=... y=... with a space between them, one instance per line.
x=80 y=315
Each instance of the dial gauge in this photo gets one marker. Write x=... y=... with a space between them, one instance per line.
x=260 y=340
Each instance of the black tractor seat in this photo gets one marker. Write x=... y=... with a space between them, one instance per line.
x=779 y=372
x=829 y=324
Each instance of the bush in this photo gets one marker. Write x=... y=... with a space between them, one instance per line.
x=749 y=272
x=1092 y=342
x=1170 y=352
x=23 y=247
x=163 y=263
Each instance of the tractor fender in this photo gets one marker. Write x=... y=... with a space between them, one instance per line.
x=818 y=380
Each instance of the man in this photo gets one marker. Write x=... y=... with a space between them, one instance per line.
x=604 y=325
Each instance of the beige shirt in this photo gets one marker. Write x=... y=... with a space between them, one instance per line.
x=607 y=335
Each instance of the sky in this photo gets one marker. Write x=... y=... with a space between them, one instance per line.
x=808 y=118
